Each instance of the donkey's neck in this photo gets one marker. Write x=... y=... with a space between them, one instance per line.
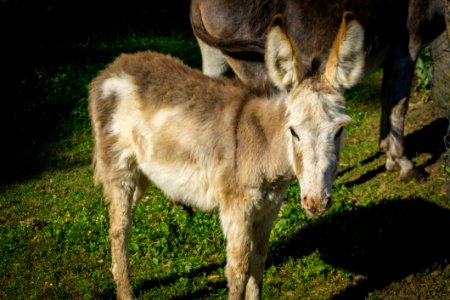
x=263 y=141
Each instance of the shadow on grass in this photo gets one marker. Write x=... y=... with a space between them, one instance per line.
x=147 y=285
x=39 y=113
x=385 y=242
x=428 y=139
x=363 y=162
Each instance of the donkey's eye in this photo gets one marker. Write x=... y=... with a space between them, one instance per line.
x=294 y=134
x=338 y=134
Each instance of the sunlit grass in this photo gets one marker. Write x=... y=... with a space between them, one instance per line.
x=54 y=224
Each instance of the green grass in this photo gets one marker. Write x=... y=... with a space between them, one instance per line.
x=54 y=222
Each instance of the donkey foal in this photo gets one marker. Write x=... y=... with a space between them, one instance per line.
x=219 y=145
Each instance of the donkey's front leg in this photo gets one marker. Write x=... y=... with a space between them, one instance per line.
x=259 y=248
x=236 y=225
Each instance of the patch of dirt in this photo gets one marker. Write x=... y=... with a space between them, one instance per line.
x=422 y=111
x=435 y=284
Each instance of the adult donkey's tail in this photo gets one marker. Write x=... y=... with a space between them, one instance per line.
x=228 y=46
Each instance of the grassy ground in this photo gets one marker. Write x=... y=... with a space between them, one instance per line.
x=382 y=239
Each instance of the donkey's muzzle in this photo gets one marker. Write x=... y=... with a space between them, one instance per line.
x=316 y=207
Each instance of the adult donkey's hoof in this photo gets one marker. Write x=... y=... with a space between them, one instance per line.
x=391 y=165
x=414 y=174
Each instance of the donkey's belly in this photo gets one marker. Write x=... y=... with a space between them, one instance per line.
x=185 y=183
x=375 y=59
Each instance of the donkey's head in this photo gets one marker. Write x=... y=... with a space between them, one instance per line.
x=315 y=106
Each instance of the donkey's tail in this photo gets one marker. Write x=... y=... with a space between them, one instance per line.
x=231 y=47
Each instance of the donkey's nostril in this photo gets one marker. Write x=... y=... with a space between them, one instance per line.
x=306 y=202
x=312 y=210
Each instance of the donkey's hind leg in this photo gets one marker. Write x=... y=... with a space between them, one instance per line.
x=124 y=192
x=397 y=79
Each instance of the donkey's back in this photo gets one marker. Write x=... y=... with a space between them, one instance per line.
x=152 y=114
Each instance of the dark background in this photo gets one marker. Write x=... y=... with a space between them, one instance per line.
x=43 y=35
x=33 y=30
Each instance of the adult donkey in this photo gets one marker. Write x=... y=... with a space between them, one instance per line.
x=231 y=33
x=218 y=144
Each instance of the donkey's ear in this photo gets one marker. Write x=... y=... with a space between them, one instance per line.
x=279 y=57
x=345 y=63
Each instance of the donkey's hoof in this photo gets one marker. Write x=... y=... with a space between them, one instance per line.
x=391 y=165
x=384 y=144
x=414 y=174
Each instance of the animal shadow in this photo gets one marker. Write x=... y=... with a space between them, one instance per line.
x=384 y=242
x=150 y=284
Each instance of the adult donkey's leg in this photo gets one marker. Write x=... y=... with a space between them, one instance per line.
x=397 y=79
x=213 y=61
